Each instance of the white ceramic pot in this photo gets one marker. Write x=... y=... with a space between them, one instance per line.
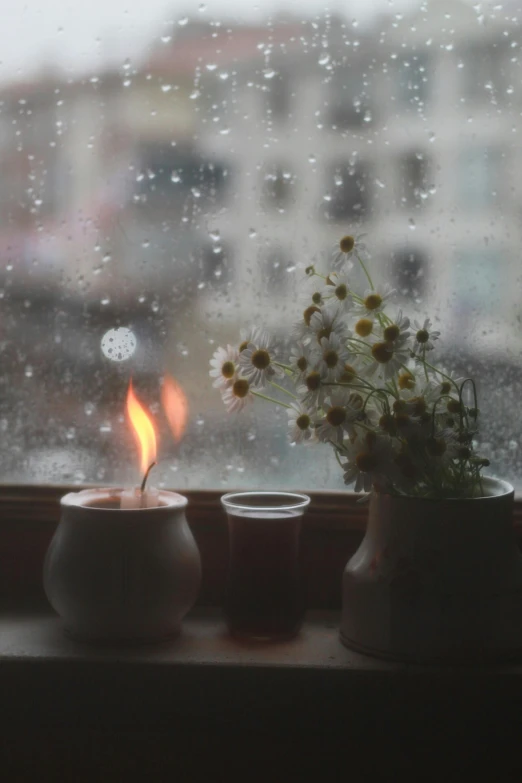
x=436 y=580
x=122 y=575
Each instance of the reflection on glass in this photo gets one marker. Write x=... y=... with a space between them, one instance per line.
x=171 y=179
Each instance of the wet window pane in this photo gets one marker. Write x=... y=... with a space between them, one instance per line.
x=166 y=178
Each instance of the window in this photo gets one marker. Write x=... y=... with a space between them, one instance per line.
x=174 y=173
x=480 y=177
x=413 y=173
x=349 y=194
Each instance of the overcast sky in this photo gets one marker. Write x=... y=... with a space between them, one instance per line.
x=80 y=35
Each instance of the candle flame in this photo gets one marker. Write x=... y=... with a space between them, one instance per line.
x=143 y=429
x=175 y=405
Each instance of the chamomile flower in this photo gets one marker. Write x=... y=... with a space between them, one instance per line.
x=443 y=446
x=300 y=360
x=311 y=391
x=370 y=462
x=237 y=395
x=397 y=330
x=374 y=301
x=424 y=338
x=347 y=247
x=328 y=322
x=341 y=411
x=387 y=359
x=224 y=366
x=302 y=330
x=301 y=420
x=256 y=361
x=332 y=358
x=336 y=293
x=248 y=335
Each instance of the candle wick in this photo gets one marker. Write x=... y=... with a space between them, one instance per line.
x=145 y=477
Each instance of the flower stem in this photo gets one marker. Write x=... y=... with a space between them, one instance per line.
x=282 y=388
x=359 y=259
x=270 y=399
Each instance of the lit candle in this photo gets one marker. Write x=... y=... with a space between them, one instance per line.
x=143 y=428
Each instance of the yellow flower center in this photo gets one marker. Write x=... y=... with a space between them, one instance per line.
x=364 y=327
x=325 y=332
x=228 y=369
x=402 y=420
x=406 y=381
x=453 y=406
x=347 y=244
x=240 y=388
x=308 y=313
x=313 y=381
x=422 y=336
x=243 y=345
x=391 y=332
x=331 y=358
x=445 y=387
x=301 y=364
x=317 y=298
x=303 y=421
x=341 y=292
x=336 y=416
x=261 y=359
x=373 y=301
x=348 y=374
x=399 y=406
x=387 y=423
x=366 y=462
x=381 y=353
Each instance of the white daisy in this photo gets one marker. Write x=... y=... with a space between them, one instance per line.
x=337 y=294
x=249 y=334
x=332 y=358
x=424 y=338
x=256 y=361
x=388 y=358
x=224 y=366
x=302 y=331
x=326 y=323
x=311 y=391
x=300 y=360
x=341 y=411
x=398 y=330
x=237 y=395
x=374 y=301
x=301 y=420
x=443 y=446
x=370 y=462
x=348 y=246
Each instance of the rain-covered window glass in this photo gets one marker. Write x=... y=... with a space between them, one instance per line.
x=167 y=173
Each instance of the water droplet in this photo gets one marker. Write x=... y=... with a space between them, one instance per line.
x=28 y=372
x=145 y=243
x=166 y=87
x=252 y=233
x=70 y=433
x=224 y=131
x=166 y=39
x=214 y=235
x=312 y=159
x=411 y=224
x=379 y=183
x=106 y=258
x=196 y=192
x=106 y=427
x=105 y=301
x=89 y=408
x=175 y=177
x=431 y=137
x=324 y=59
x=194 y=94
x=183 y=21
x=211 y=66
x=269 y=73
x=223 y=76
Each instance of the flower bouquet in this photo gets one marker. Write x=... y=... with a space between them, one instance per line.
x=359 y=376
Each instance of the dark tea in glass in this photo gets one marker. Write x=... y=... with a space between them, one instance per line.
x=264 y=598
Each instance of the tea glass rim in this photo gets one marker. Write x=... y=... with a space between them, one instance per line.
x=295 y=501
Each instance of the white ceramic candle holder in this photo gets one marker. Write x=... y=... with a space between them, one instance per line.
x=122 y=575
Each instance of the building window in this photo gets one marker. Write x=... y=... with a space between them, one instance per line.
x=409 y=271
x=413 y=79
x=278 y=187
x=478 y=177
x=348 y=192
x=413 y=174
x=349 y=103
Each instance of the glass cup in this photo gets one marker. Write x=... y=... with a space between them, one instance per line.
x=264 y=598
